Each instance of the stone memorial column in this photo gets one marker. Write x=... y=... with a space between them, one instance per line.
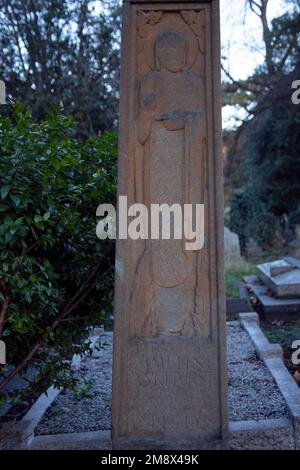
x=169 y=373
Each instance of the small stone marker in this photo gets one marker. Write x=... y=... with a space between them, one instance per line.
x=232 y=244
x=282 y=277
x=294 y=247
x=169 y=374
x=280 y=267
x=2 y=93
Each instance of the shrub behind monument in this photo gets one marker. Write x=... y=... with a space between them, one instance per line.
x=52 y=267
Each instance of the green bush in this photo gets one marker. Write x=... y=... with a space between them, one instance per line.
x=269 y=189
x=56 y=277
x=250 y=218
x=284 y=334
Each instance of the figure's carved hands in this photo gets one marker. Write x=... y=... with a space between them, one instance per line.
x=148 y=102
x=173 y=125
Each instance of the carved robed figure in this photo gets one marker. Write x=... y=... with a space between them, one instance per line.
x=171 y=127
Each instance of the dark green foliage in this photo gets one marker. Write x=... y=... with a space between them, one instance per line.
x=60 y=52
x=275 y=143
x=284 y=334
x=271 y=171
x=52 y=266
x=250 y=217
x=267 y=151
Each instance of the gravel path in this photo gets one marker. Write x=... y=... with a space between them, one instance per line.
x=252 y=391
x=89 y=408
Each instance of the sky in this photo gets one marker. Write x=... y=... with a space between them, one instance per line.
x=241 y=35
x=242 y=45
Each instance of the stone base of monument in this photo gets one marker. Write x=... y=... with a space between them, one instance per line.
x=251 y=427
x=236 y=306
x=273 y=307
x=171 y=444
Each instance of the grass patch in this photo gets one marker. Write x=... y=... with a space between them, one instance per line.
x=284 y=334
x=235 y=270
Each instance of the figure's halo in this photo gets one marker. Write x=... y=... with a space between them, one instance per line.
x=170 y=24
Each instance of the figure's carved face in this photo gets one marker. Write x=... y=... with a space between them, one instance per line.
x=170 y=51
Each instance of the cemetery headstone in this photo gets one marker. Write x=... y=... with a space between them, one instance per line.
x=294 y=245
x=232 y=244
x=169 y=374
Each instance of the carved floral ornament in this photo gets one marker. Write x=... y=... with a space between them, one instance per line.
x=189 y=22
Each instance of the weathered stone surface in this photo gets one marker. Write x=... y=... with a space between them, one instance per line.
x=273 y=307
x=249 y=317
x=93 y=440
x=282 y=277
x=269 y=434
x=232 y=244
x=275 y=434
x=280 y=267
x=294 y=246
x=2 y=93
x=236 y=306
x=264 y=349
x=169 y=379
x=252 y=248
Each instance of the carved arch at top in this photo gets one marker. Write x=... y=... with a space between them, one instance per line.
x=149 y=22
